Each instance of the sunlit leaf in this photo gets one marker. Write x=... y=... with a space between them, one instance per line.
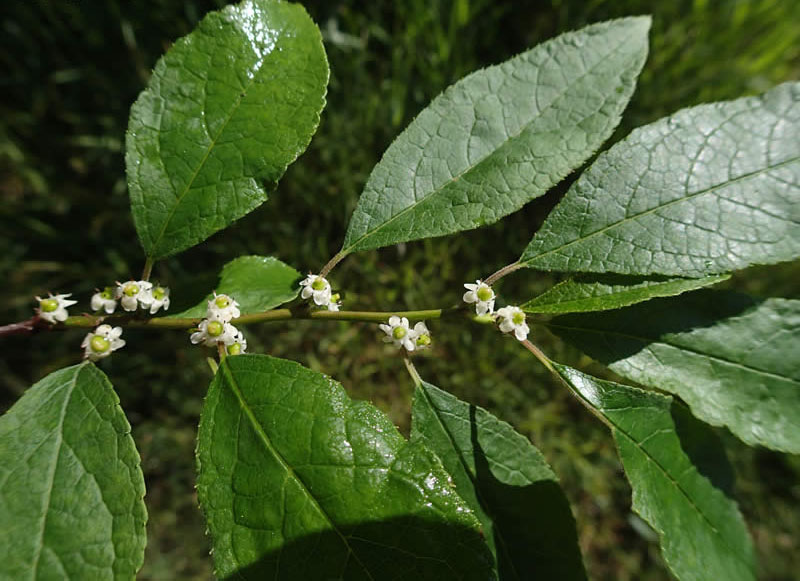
x=297 y=481
x=501 y=137
x=227 y=109
x=711 y=189
x=71 y=486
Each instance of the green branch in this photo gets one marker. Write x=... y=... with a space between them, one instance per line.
x=89 y=321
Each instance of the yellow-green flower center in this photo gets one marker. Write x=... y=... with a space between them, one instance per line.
x=131 y=290
x=214 y=329
x=399 y=332
x=318 y=284
x=159 y=293
x=49 y=305
x=234 y=349
x=423 y=340
x=106 y=294
x=222 y=301
x=484 y=294
x=518 y=318
x=100 y=344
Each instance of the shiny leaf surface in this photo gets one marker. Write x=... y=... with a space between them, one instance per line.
x=506 y=481
x=708 y=190
x=501 y=137
x=71 y=485
x=297 y=481
x=227 y=109
x=702 y=533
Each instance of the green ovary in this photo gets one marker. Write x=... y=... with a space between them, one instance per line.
x=214 y=329
x=484 y=294
x=100 y=344
x=518 y=318
x=399 y=332
x=49 y=305
x=222 y=302
x=318 y=284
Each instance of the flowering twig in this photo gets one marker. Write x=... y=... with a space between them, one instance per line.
x=88 y=321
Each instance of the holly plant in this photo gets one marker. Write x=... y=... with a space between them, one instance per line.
x=298 y=481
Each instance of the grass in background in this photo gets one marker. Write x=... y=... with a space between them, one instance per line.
x=70 y=71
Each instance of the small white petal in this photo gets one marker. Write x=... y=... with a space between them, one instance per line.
x=470 y=297
x=394 y=320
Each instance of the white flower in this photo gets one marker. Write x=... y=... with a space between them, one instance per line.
x=101 y=342
x=317 y=287
x=213 y=331
x=399 y=334
x=54 y=308
x=223 y=308
x=155 y=299
x=335 y=302
x=239 y=344
x=131 y=292
x=481 y=294
x=104 y=300
x=513 y=319
x=422 y=336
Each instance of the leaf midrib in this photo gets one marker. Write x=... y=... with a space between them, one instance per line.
x=540 y=112
x=70 y=386
x=262 y=435
x=483 y=504
x=685 y=198
x=211 y=146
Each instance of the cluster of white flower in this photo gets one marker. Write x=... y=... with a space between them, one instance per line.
x=509 y=319
x=401 y=335
x=216 y=328
x=101 y=342
x=105 y=338
x=318 y=289
x=54 y=308
x=132 y=295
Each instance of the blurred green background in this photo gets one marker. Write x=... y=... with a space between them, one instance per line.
x=69 y=71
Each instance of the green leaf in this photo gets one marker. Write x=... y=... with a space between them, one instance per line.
x=710 y=189
x=703 y=535
x=501 y=137
x=227 y=109
x=258 y=283
x=297 y=481
x=71 y=486
x=732 y=358
x=603 y=292
x=506 y=481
